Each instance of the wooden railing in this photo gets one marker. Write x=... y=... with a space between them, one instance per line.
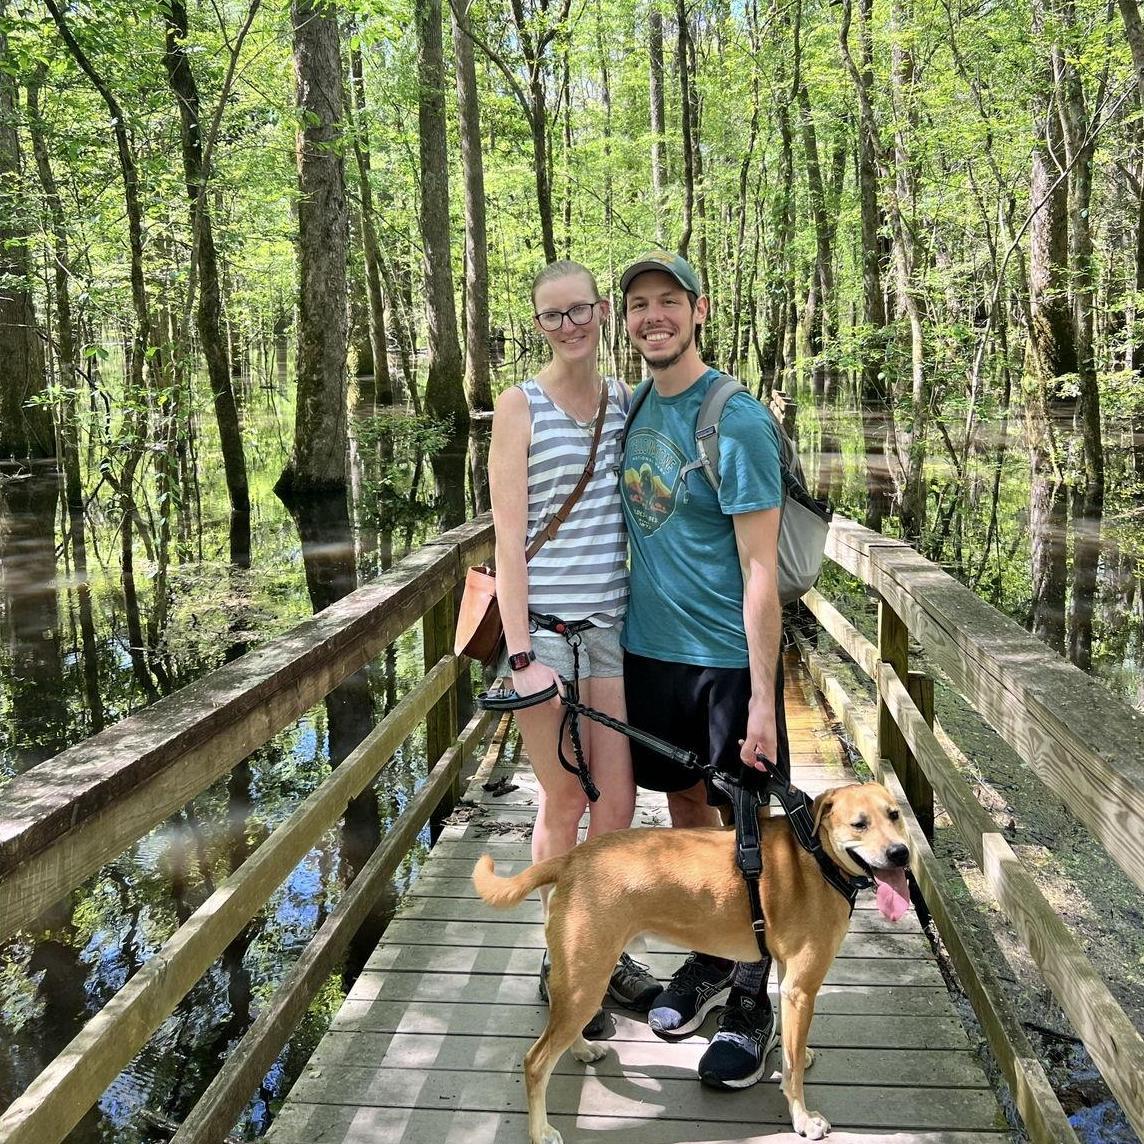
x=67 y=817
x=1087 y=748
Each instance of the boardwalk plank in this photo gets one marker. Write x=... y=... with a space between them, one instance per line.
x=313 y=1123
x=476 y=961
x=465 y=1019
x=509 y=989
x=427 y=1047
x=847 y=1105
x=493 y=1052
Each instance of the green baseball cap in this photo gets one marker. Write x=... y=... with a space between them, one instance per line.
x=674 y=264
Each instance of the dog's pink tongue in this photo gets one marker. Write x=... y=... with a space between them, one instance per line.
x=893 y=893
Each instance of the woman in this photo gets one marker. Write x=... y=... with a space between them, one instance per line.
x=541 y=440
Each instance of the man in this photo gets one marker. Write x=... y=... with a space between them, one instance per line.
x=702 y=664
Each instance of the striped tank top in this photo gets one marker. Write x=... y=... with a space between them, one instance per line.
x=583 y=572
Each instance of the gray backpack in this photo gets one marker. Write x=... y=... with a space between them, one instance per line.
x=805 y=521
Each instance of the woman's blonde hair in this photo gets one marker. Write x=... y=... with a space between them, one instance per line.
x=563 y=268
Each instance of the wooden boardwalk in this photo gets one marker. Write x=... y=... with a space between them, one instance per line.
x=428 y=1045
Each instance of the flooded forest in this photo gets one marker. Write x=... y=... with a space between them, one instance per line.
x=264 y=267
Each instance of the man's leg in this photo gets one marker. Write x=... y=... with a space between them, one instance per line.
x=736 y=1057
x=662 y=700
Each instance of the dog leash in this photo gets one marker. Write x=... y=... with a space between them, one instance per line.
x=746 y=798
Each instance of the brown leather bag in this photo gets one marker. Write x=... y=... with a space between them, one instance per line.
x=479 y=631
x=480 y=634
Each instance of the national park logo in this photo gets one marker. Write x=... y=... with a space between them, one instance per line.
x=651 y=480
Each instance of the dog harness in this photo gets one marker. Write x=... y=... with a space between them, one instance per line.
x=747 y=793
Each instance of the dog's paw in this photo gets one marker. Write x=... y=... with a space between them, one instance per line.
x=586 y=1052
x=550 y=1136
x=812 y=1125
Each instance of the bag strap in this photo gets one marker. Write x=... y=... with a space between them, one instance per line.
x=548 y=532
x=639 y=396
x=721 y=390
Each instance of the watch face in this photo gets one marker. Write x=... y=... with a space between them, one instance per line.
x=520 y=660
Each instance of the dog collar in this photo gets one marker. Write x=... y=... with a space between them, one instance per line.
x=799 y=810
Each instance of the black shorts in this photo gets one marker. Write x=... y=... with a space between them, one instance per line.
x=701 y=709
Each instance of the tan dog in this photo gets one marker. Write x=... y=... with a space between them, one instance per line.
x=683 y=886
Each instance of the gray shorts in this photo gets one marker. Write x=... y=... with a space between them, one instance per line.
x=600 y=653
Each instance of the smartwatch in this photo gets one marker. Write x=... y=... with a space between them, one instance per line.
x=521 y=659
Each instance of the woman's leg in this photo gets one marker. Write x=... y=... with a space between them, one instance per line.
x=609 y=755
x=562 y=801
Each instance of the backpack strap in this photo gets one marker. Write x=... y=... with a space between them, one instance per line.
x=721 y=390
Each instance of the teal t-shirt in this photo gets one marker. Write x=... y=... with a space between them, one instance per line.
x=686 y=586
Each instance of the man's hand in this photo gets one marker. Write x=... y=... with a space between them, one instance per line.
x=762 y=733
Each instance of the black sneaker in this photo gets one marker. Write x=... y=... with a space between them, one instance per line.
x=632 y=984
x=595 y=1026
x=697 y=986
x=737 y=1055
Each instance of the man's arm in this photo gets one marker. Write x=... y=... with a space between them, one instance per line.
x=756 y=538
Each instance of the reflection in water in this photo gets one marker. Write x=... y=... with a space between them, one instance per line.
x=36 y=725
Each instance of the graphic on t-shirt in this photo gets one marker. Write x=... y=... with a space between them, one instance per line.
x=651 y=478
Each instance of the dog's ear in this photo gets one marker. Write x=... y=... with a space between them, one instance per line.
x=822 y=807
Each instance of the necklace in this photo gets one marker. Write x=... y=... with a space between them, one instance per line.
x=572 y=413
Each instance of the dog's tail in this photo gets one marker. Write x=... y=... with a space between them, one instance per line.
x=504 y=893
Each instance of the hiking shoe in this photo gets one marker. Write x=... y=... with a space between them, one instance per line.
x=632 y=984
x=697 y=986
x=595 y=1026
x=737 y=1055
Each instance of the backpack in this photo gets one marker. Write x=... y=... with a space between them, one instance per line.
x=805 y=521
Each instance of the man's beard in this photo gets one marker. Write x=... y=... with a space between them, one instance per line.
x=671 y=359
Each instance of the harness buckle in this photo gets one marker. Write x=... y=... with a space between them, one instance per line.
x=749 y=859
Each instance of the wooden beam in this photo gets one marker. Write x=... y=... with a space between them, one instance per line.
x=914 y=781
x=894 y=649
x=1036 y=1102
x=68 y=816
x=1108 y=1034
x=1084 y=745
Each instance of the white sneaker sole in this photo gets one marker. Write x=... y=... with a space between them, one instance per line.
x=751 y=1078
x=715 y=1001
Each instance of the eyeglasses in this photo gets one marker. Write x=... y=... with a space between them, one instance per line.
x=578 y=315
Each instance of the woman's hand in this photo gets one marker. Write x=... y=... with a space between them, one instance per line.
x=536 y=677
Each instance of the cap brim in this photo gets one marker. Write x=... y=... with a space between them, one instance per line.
x=638 y=268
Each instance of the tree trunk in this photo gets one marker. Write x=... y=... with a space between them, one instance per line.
x=1134 y=27
x=566 y=117
x=874 y=389
x=319 y=461
x=478 y=386
x=1088 y=490
x=211 y=330
x=658 y=127
x=382 y=378
x=25 y=430
x=684 y=68
x=911 y=441
x=783 y=285
x=444 y=389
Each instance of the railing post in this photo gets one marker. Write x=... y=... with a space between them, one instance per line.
x=893 y=648
x=914 y=781
x=437 y=639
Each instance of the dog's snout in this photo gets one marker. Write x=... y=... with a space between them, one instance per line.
x=898 y=854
